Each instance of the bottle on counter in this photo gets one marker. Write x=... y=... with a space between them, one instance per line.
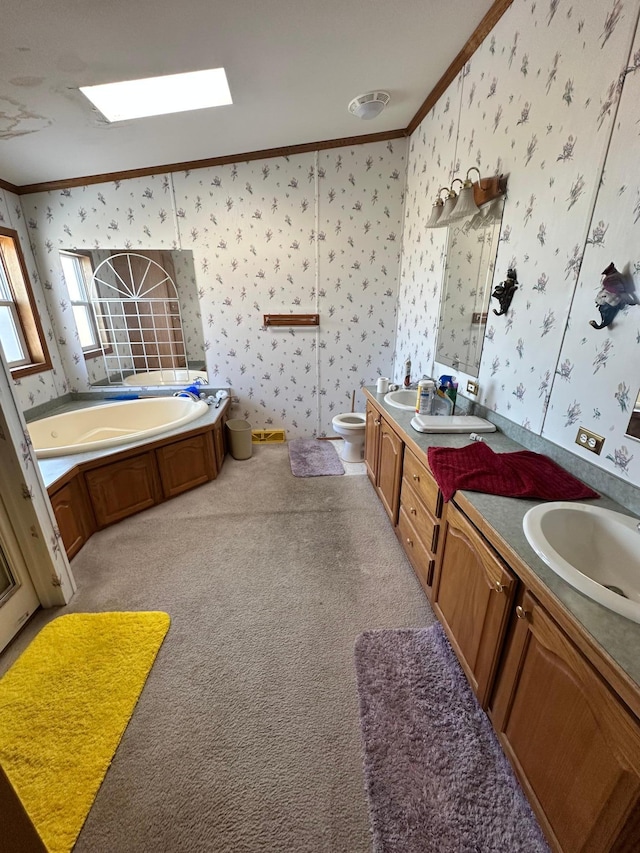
x=407 y=373
x=424 y=401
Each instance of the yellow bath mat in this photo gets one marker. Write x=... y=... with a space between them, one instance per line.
x=64 y=706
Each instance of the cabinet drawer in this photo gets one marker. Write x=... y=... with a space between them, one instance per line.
x=421 y=480
x=424 y=523
x=422 y=561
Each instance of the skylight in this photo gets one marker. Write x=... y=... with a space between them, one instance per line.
x=153 y=96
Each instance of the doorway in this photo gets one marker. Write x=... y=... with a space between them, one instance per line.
x=18 y=599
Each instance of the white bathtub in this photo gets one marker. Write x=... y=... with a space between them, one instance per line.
x=111 y=424
x=166 y=377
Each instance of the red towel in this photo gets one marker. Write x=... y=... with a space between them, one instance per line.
x=522 y=474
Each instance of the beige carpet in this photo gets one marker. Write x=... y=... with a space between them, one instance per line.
x=246 y=738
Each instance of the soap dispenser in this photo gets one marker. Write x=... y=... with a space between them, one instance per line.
x=407 y=373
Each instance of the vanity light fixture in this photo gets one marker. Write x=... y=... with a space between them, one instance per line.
x=152 y=96
x=491 y=210
x=465 y=205
x=449 y=206
x=436 y=210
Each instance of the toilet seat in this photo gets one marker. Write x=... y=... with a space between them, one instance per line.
x=351 y=426
x=350 y=420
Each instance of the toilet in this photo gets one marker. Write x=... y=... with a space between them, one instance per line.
x=351 y=426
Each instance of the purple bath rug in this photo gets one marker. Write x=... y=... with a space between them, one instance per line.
x=436 y=777
x=312 y=458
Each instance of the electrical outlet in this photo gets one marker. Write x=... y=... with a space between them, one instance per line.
x=472 y=387
x=590 y=440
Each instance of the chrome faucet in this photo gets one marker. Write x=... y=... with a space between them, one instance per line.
x=414 y=385
x=189 y=394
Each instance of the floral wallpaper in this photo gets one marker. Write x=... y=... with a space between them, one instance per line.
x=137 y=213
x=597 y=378
x=430 y=166
x=548 y=99
x=49 y=384
x=539 y=102
x=314 y=233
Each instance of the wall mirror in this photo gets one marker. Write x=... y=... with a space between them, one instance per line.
x=633 y=428
x=472 y=245
x=137 y=315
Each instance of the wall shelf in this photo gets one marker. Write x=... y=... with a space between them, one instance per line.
x=291 y=319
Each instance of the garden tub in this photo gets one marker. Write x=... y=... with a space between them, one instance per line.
x=111 y=424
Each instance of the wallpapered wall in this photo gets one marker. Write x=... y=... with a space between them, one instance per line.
x=319 y=232
x=551 y=100
x=50 y=384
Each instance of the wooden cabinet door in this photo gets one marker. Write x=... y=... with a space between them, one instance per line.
x=74 y=515
x=218 y=442
x=220 y=437
x=389 y=470
x=574 y=745
x=122 y=488
x=186 y=464
x=472 y=595
x=372 y=443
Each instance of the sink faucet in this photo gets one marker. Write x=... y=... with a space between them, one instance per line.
x=189 y=394
x=414 y=385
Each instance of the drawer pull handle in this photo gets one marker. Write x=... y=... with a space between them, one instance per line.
x=410 y=542
x=499 y=587
x=521 y=613
x=377 y=423
x=413 y=511
x=416 y=477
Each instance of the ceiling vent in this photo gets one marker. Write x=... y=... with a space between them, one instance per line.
x=369 y=105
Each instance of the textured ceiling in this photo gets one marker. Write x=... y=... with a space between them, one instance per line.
x=293 y=66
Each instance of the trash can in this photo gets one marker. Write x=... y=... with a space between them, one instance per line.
x=239 y=438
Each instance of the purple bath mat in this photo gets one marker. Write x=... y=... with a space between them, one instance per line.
x=436 y=777
x=312 y=458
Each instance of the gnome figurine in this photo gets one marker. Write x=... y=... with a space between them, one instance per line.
x=611 y=297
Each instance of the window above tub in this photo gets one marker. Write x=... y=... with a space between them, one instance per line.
x=21 y=335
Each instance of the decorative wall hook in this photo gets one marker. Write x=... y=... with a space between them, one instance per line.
x=504 y=291
x=611 y=297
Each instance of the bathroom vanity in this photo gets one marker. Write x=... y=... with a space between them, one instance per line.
x=557 y=674
x=90 y=491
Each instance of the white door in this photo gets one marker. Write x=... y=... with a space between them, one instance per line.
x=18 y=598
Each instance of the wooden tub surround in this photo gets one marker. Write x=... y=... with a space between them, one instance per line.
x=96 y=492
x=565 y=706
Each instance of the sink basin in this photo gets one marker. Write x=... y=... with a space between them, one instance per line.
x=403 y=398
x=595 y=550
